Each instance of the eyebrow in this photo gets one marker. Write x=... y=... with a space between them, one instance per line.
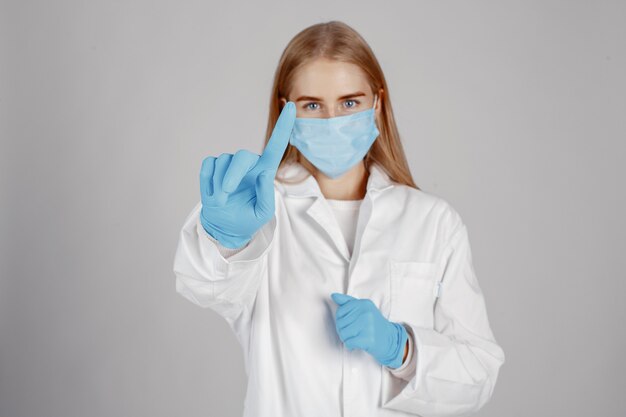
x=357 y=94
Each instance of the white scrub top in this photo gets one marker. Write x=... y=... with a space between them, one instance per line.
x=346 y=213
x=411 y=257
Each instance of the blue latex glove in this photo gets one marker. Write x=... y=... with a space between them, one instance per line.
x=237 y=191
x=361 y=325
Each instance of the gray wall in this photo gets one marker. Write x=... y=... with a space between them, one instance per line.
x=512 y=111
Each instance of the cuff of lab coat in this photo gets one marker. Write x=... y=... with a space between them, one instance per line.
x=407 y=370
x=226 y=252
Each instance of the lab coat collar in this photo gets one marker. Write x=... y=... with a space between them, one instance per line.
x=303 y=184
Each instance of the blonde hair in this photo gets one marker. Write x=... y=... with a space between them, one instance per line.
x=337 y=41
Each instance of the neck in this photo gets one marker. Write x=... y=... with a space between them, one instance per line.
x=350 y=186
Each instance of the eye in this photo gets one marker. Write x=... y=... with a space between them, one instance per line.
x=308 y=105
x=352 y=101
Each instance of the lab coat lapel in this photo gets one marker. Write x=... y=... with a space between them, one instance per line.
x=378 y=181
x=321 y=212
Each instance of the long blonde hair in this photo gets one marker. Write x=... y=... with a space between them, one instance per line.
x=338 y=41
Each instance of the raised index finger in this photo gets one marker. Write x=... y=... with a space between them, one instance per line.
x=275 y=148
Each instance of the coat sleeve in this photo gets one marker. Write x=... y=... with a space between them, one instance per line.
x=223 y=281
x=457 y=361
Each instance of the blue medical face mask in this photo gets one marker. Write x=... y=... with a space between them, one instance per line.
x=336 y=144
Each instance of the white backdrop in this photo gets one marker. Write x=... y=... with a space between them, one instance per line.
x=512 y=111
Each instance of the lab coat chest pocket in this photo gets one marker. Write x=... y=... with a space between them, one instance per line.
x=413 y=291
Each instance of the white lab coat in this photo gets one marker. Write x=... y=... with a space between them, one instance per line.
x=411 y=257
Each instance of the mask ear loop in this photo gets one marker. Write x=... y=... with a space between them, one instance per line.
x=375 y=98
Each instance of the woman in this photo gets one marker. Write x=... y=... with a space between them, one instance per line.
x=351 y=291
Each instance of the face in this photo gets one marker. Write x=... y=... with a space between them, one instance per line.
x=325 y=88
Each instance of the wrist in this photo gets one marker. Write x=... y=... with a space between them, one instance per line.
x=399 y=347
x=406 y=350
x=227 y=241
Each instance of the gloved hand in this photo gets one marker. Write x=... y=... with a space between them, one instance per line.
x=237 y=191
x=361 y=325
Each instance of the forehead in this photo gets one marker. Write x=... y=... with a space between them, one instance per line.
x=328 y=79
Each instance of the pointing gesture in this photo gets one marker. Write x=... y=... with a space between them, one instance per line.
x=237 y=191
x=276 y=146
